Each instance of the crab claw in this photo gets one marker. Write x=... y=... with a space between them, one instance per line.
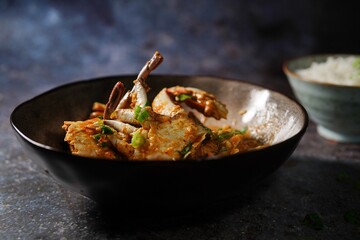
x=116 y=95
x=200 y=100
x=153 y=63
x=137 y=96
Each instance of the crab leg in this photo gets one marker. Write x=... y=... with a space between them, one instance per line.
x=125 y=101
x=200 y=100
x=150 y=66
x=120 y=126
x=127 y=115
x=116 y=95
x=137 y=95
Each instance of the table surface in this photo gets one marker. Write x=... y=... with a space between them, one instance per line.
x=49 y=44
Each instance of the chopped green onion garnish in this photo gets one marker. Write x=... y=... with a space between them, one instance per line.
x=141 y=114
x=242 y=131
x=186 y=150
x=227 y=135
x=106 y=130
x=97 y=136
x=182 y=97
x=137 y=111
x=144 y=114
x=208 y=130
x=99 y=123
x=137 y=140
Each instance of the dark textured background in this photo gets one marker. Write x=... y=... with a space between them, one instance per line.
x=47 y=43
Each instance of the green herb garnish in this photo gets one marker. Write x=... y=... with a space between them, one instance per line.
x=106 y=130
x=99 y=123
x=313 y=221
x=182 y=97
x=186 y=150
x=227 y=135
x=144 y=114
x=137 y=111
x=137 y=140
x=97 y=136
x=208 y=130
x=141 y=114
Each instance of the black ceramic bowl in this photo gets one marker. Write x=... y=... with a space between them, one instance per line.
x=275 y=118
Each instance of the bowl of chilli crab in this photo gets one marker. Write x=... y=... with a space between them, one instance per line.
x=169 y=142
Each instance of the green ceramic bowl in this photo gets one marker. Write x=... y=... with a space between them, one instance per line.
x=335 y=108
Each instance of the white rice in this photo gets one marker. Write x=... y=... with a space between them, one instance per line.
x=335 y=70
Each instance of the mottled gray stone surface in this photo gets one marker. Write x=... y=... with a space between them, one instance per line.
x=44 y=44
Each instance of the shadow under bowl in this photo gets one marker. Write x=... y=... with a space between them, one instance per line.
x=278 y=120
x=334 y=108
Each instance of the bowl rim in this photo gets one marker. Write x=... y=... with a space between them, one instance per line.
x=45 y=147
x=287 y=71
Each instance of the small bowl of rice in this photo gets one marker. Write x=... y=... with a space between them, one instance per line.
x=328 y=86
